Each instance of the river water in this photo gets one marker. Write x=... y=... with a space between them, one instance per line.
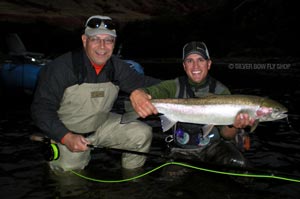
x=275 y=150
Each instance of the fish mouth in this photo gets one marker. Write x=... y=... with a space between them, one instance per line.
x=280 y=115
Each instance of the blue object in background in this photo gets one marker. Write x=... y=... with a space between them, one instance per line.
x=19 y=76
x=136 y=66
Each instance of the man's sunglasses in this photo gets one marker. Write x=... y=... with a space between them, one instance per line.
x=96 y=23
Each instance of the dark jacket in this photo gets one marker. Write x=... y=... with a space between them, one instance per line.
x=59 y=75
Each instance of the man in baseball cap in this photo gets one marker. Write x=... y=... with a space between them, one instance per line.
x=74 y=98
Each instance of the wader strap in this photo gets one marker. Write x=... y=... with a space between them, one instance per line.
x=78 y=66
x=184 y=85
x=110 y=72
x=212 y=84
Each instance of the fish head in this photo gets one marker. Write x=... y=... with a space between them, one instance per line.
x=271 y=110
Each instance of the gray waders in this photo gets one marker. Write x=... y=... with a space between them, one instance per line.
x=86 y=108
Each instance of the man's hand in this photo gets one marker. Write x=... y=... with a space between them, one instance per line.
x=242 y=120
x=75 y=143
x=141 y=103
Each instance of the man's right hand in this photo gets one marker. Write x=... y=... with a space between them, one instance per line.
x=141 y=103
x=75 y=142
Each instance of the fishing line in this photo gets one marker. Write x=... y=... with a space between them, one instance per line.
x=54 y=154
x=272 y=176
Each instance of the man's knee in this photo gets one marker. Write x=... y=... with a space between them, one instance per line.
x=142 y=132
x=69 y=160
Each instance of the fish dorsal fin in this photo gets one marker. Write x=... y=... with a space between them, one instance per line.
x=166 y=123
x=207 y=129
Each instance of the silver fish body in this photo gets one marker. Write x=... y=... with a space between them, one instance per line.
x=217 y=109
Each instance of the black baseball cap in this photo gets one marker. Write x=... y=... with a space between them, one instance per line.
x=196 y=47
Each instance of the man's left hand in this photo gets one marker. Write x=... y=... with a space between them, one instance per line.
x=242 y=120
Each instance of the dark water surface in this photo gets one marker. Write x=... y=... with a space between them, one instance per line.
x=275 y=149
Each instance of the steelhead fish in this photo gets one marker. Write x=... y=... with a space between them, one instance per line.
x=213 y=110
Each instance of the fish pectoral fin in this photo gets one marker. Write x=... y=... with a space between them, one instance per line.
x=206 y=129
x=129 y=117
x=166 y=123
x=253 y=127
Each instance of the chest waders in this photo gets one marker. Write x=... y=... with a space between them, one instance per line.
x=85 y=108
x=189 y=138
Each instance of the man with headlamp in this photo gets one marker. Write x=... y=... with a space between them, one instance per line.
x=75 y=94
